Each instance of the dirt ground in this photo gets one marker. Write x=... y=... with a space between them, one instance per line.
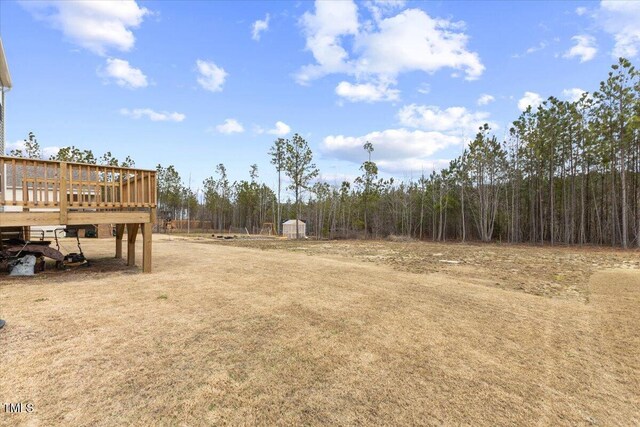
x=348 y=333
x=560 y=272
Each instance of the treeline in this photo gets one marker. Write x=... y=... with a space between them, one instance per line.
x=31 y=149
x=567 y=172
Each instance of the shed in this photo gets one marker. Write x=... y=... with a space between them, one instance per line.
x=289 y=229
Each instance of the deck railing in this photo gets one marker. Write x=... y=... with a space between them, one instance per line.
x=32 y=183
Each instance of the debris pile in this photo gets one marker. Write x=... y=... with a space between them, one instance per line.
x=22 y=257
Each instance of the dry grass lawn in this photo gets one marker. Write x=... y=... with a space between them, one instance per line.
x=345 y=333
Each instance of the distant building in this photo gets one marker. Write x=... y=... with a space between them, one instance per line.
x=289 y=229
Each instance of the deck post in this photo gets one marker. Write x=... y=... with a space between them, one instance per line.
x=146 y=247
x=26 y=233
x=132 y=232
x=119 y=233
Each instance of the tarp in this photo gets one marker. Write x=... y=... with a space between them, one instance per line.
x=36 y=249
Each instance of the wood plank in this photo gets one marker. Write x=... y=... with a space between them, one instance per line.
x=80 y=186
x=25 y=219
x=149 y=196
x=155 y=190
x=58 y=162
x=120 y=196
x=146 y=247
x=100 y=185
x=56 y=186
x=25 y=192
x=62 y=193
x=94 y=201
x=135 y=186
x=70 y=176
x=108 y=217
x=35 y=186
x=15 y=184
x=46 y=185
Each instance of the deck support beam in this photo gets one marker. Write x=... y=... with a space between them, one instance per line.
x=119 y=233
x=146 y=247
x=132 y=232
x=30 y=218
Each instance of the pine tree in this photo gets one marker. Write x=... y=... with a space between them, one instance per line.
x=299 y=167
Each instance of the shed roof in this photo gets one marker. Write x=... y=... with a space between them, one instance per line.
x=292 y=222
x=5 y=77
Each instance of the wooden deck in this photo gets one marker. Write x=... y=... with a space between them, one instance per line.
x=50 y=193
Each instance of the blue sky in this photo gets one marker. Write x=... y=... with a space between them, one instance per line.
x=195 y=84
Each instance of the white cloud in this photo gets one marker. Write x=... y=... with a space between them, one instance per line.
x=323 y=29
x=581 y=10
x=94 y=25
x=211 y=77
x=154 y=116
x=280 y=129
x=230 y=126
x=46 y=152
x=18 y=145
x=335 y=178
x=573 y=94
x=378 y=52
x=424 y=88
x=485 y=99
x=413 y=165
x=259 y=26
x=392 y=146
x=405 y=149
x=454 y=120
x=367 y=92
x=529 y=99
x=413 y=41
x=621 y=18
x=536 y=48
x=124 y=74
x=585 y=48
